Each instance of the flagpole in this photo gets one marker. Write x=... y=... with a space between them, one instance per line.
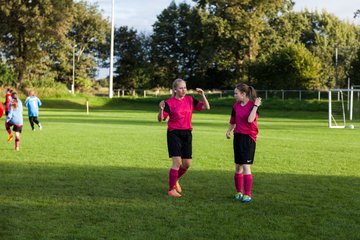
x=111 y=51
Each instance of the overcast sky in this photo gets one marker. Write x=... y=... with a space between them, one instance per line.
x=141 y=14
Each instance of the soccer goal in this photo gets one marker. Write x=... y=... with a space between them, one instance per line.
x=337 y=109
x=344 y=107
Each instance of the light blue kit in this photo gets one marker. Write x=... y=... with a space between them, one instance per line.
x=15 y=115
x=33 y=104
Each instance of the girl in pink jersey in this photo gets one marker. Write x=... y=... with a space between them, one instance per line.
x=179 y=109
x=244 y=123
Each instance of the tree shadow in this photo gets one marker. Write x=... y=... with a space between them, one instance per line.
x=48 y=201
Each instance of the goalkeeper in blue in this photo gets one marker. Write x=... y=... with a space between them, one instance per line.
x=33 y=103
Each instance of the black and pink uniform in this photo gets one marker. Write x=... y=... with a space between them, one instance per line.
x=179 y=137
x=245 y=135
x=180 y=111
x=239 y=116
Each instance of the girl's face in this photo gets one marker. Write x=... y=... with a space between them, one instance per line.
x=239 y=96
x=180 y=89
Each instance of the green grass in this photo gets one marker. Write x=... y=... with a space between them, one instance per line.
x=104 y=176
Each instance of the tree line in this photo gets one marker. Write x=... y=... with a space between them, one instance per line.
x=213 y=44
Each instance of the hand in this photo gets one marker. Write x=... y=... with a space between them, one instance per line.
x=200 y=91
x=162 y=105
x=258 y=101
x=228 y=134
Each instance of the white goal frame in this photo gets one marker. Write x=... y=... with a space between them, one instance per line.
x=350 y=106
x=331 y=117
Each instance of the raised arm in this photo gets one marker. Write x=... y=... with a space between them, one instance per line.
x=252 y=115
x=161 y=111
x=206 y=105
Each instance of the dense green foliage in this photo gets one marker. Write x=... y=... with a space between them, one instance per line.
x=216 y=44
x=38 y=39
x=212 y=44
x=104 y=176
x=292 y=67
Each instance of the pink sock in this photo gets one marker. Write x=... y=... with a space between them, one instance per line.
x=238 y=179
x=248 y=184
x=17 y=142
x=173 y=177
x=182 y=171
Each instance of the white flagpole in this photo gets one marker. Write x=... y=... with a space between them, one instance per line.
x=111 y=51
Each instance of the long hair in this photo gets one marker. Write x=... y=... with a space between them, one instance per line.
x=175 y=84
x=248 y=90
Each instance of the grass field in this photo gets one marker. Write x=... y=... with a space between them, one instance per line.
x=104 y=176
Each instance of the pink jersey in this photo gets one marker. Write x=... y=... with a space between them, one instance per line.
x=180 y=112
x=239 y=116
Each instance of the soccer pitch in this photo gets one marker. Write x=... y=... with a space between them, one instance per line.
x=105 y=176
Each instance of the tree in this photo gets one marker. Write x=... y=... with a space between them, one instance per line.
x=38 y=38
x=322 y=37
x=357 y=13
x=354 y=72
x=238 y=28
x=28 y=29
x=7 y=75
x=292 y=67
x=131 y=66
x=178 y=46
x=166 y=46
x=87 y=36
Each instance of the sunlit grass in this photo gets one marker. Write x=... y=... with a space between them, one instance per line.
x=104 y=176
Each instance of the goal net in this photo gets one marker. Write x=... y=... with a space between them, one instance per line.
x=344 y=107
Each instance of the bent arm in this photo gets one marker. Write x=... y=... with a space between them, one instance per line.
x=206 y=105
x=253 y=112
x=160 y=116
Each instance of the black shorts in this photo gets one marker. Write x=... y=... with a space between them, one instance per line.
x=244 y=149
x=180 y=143
x=16 y=127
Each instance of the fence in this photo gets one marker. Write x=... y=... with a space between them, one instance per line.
x=265 y=94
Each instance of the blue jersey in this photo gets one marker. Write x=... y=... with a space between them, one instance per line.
x=15 y=116
x=33 y=104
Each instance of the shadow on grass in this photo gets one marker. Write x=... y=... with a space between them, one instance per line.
x=42 y=201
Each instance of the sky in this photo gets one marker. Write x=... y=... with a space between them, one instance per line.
x=141 y=14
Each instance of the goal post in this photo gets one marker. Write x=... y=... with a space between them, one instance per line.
x=344 y=107
x=336 y=109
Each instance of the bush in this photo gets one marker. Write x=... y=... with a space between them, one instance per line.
x=7 y=75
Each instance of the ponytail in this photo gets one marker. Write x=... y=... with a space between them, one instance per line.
x=249 y=90
x=252 y=93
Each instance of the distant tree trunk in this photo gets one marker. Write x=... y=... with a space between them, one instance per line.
x=20 y=79
x=22 y=49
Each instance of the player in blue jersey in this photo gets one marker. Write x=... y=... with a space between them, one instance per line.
x=33 y=103
x=15 y=119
